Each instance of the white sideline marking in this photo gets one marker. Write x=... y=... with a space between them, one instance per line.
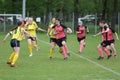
x=99 y=65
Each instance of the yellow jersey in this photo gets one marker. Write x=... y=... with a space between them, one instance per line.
x=31 y=28
x=17 y=33
x=52 y=30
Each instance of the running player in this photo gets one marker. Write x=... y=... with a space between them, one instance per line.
x=31 y=27
x=112 y=40
x=52 y=37
x=61 y=37
x=81 y=35
x=104 y=45
x=15 y=43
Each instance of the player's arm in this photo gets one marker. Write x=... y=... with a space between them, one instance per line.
x=97 y=34
x=116 y=36
x=87 y=29
x=42 y=29
x=107 y=29
x=25 y=32
x=77 y=30
x=5 y=38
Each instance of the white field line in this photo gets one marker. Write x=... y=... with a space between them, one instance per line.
x=91 y=61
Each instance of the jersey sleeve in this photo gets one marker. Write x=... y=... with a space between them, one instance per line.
x=112 y=30
x=64 y=26
x=36 y=26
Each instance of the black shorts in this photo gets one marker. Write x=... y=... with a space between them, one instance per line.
x=105 y=43
x=59 y=41
x=14 y=43
x=111 y=41
x=32 y=38
x=79 y=39
x=53 y=40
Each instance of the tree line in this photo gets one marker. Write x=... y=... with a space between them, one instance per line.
x=108 y=9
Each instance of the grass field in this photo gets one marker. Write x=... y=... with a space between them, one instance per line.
x=83 y=66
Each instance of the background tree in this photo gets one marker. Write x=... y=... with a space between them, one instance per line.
x=115 y=14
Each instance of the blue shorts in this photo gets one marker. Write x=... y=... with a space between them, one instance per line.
x=14 y=43
x=53 y=40
x=32 y=38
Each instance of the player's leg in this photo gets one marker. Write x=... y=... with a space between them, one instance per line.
x=65 y=47
x=16 y=50
x=106 y=50
x=64 y=53
x=113 y=48
x=59 y=43
x=30 y=46
x=10 y=58
x=52 y=44
x=82 y=43
x=99 y=47
x=12 y=43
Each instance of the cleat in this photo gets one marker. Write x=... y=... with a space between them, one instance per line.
x=100 y=58
x=30 y=55
x=65 y=58
x=37 y=49
x=8 y=62
x=68 y=54
x=79 y=51
x=50 y=58
x=109 y=56
x=12 y=65
x=84 y=45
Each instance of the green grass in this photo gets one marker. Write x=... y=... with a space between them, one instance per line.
x=83 y=66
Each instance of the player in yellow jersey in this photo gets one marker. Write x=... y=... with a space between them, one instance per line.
x=31 y=28
x=15 y=43
x=52 y=36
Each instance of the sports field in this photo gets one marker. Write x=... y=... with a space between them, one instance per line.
x=84 y=66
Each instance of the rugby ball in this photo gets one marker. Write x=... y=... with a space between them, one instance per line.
x=69 y=30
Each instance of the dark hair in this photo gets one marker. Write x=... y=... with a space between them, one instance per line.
x=103 y=21
x=19 y=23
x=59 y=20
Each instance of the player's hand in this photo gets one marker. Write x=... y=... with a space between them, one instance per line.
x=4 y=40
x=117 y=38
x=93 y=35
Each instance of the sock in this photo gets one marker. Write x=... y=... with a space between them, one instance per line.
x=14 y=59
x=66 y=49
x=64 y=54
x=106 y=51
x=60 y=50
x=81 y=47
x=51 y=52
x=30 y=48
x=11 y=57
x=100 y=52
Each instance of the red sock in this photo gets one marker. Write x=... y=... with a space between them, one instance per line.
x=66 y=49
x=81 y=47
x=100 y=52
x=106 y=51
x=64 y=54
